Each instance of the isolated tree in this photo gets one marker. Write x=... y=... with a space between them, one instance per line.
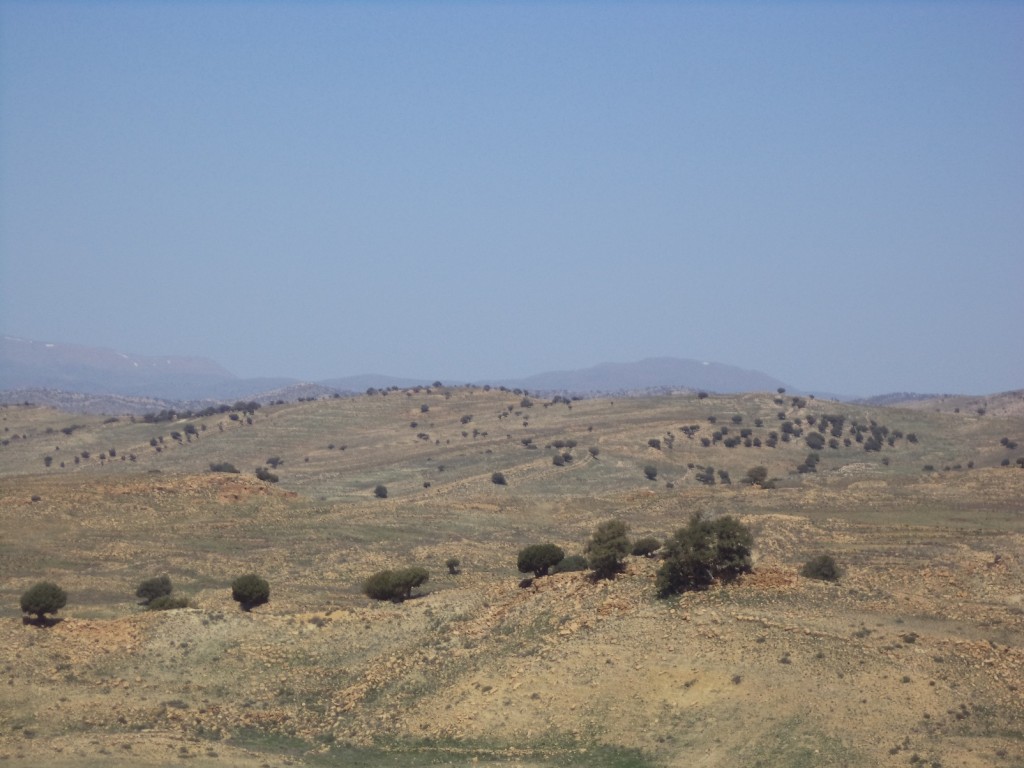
x=538 y=559
x=452 y=564
x=607 y=547
x=397 y=585
x=704 y=551
x=650 y=472
x=250 y=591
x=381 y=492
x=498 y=478
x=823 y=568
x=43 y=598
x=756 y=476
x=150 y=589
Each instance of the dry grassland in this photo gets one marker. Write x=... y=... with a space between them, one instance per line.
x=915 y=657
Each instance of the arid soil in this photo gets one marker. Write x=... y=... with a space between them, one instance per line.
x=914 y=657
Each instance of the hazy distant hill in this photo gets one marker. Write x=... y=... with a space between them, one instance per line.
x=652 y=373
x=26 y=364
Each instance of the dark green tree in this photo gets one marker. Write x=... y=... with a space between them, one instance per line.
x=538 y=559
x=395 y=586
x=607 y=547
x=250 y=591
x=702 y=552
x=756 y=476
x=43 y=598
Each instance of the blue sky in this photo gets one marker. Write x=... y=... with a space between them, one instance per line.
x=832 y=193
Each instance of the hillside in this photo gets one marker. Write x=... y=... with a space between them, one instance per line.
x=913 y=657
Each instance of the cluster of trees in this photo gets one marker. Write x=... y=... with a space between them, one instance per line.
x=703 y=552
x=155 y=594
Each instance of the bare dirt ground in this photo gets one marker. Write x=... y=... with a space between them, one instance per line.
x=915 y=657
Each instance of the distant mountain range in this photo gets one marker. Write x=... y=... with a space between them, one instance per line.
x=34 y=365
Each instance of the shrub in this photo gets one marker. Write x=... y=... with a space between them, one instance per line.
x=452 y=564
x=498 y=478
x=250 y=591
x=815 y=441
x=223 y=466
x=594 y=451
x=650 y=472
x=606 y=549
x=381 y=492
x=167 y=603
x=43 y=598
x=654 y=443
x=156 y=587
x=646 y=546
x=557 y=460
x=703 y=551
x=823 y=568
x=538 y=559
x=264 y=474
x=395 y=586
x=756 y=476
x=274 y=462
x=570 y=564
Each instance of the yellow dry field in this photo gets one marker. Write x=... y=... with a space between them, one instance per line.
x=914 y=657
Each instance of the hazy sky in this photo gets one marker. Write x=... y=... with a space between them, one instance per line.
x=832 y=193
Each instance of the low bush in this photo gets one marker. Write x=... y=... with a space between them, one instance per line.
x=167 y=603
x=570 y=564
x=823 y=568
x=395 y=586
x=646 y=546
x=154 y=588
x=498 y=479
x=224 y=466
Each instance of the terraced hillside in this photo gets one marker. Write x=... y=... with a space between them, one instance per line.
x=913 y=657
